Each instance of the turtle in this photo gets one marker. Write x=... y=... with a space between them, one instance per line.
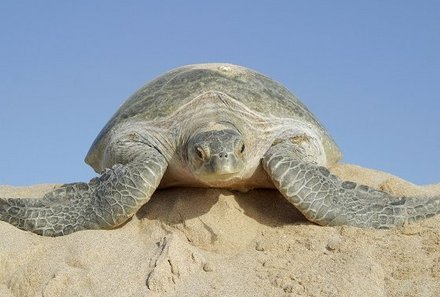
x=212 y=125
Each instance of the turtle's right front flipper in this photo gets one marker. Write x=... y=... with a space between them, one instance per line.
x=103 y=203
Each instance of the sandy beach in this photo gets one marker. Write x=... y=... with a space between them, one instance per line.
x=210 y=242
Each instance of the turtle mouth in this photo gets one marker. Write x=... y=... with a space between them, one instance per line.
x=219 y=179
x=226 y=176
x=220 y=169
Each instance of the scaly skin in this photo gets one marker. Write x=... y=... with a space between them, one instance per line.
x=325 y=199
x=105 y=202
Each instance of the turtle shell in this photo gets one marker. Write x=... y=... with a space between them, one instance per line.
x=165 y=94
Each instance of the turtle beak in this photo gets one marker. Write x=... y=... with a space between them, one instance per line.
x=223 y=164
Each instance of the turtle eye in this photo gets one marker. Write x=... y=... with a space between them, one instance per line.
x=242 y=148
x=200 y=153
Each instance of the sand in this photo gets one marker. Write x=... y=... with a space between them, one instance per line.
x=210 y=242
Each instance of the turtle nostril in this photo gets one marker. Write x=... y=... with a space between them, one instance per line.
x=221 y=155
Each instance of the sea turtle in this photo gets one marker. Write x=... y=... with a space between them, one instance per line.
x=212 y=125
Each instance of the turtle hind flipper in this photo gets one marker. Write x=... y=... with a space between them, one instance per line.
x=325 y=199
x=103 y=203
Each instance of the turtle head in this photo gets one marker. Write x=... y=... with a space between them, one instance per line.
x=216 y=153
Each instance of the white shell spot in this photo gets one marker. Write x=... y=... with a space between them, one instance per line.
x=224 y=68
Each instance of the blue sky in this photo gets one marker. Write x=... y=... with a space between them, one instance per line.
x=369 y=70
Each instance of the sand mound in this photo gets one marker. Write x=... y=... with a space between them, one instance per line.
x=208 y=242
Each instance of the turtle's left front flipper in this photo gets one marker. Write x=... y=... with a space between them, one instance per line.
x=105 y=202
x=325 y=199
